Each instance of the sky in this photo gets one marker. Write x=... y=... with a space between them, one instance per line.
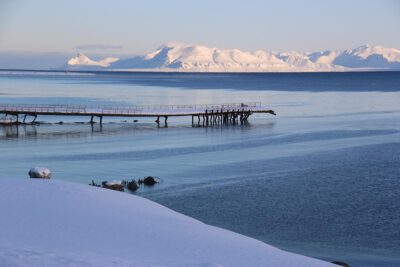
x=136 y=27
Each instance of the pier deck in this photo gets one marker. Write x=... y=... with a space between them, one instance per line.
x=207 y=115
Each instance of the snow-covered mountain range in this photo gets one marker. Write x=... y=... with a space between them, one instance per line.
x=197 y=58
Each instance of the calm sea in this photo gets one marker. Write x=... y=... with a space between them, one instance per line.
x=322 y=178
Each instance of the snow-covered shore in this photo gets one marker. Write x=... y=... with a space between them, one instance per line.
x=57 y=223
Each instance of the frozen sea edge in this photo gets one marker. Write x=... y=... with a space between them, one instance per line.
x=58 y=223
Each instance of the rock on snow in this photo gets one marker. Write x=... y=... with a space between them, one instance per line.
x=56 y=223
x=40 y=172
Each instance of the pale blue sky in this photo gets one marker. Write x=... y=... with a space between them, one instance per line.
x=137 y=27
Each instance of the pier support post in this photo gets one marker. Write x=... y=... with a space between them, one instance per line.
x=91 y=120
x=158 y=120
x=246 y=116
x=101 y=120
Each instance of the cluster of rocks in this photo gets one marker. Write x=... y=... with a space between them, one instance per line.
x=131 y=185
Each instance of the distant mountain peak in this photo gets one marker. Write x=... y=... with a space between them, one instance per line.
x=81 y=60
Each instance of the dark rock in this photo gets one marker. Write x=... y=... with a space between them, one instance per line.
x=117 y=186
x=94 y=184
x=132 y=185
x=149 y=180
x=341 y=263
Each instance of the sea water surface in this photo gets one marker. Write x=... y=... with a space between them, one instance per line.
x=321 y=178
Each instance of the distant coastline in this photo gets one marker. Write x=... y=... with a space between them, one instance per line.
x=173 y=71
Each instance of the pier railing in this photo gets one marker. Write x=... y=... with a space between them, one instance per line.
x=129 y=110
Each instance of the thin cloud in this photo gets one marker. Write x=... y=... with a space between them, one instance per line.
x=98 y=47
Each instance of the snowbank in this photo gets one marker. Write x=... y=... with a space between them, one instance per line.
x=56 y=223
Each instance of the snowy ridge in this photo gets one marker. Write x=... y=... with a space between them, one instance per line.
x=183 y=57
x=81 y=60
x=55 y=223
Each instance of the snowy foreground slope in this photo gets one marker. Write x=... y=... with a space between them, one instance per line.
x=55 y=223
x=183 y=57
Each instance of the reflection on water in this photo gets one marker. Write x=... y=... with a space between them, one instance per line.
x=84 y=129
x=34 y=131
x=10 y=131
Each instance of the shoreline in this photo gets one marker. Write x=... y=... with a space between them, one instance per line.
x=62 y=220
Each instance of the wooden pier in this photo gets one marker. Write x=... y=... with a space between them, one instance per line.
x=202 y=115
